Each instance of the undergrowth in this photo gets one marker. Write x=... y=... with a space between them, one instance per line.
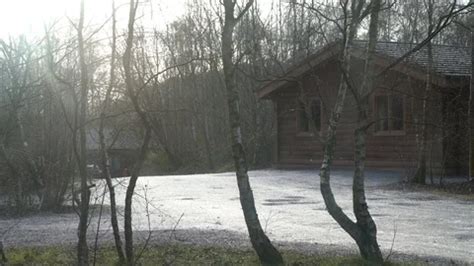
x=170 y=255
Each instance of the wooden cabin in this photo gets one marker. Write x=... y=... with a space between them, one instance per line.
x=122 y=145
x=304 y=96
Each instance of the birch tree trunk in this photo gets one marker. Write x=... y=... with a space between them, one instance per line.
x=266 y=252
x=367 y=242
x=82 y=248
x=363 y=231
x=420 y=173
x=330 y=141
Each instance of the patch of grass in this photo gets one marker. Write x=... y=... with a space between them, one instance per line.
x=40 y=256
x=171 y=255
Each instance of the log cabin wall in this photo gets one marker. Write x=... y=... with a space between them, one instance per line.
x=385 y=149
x=455 y=138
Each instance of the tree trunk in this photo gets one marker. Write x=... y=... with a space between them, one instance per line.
x=129 y=195
x=364 y=230
x=420 y=173
x=207 y=144
x=367 y=242
x=471 y=109
x=133 y=96
x=330 y=142
x=82 y=248
x=16 y=173
x=30 y=163
x=266 y=252
x=3 y=257
x=17 y=89
x=103 y=148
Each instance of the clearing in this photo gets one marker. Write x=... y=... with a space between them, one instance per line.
x=290 y=207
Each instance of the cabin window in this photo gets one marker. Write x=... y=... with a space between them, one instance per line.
x=389 y=113
x=309 y=115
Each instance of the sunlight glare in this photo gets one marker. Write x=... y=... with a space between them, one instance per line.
x=28 y=16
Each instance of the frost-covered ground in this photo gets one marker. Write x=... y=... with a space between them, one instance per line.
x=290 y=207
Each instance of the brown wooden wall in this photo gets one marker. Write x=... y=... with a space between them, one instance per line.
x=383 y=151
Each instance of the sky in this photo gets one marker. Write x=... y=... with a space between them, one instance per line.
x=30 y=16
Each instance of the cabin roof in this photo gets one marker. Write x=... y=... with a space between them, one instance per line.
x=448 y=61
x=114 y=139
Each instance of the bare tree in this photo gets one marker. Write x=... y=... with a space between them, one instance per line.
x=420 y=174
x=105 y=161
x=15 y=150
x=82 y=248
x=133 y=95
x=363 y=231
x=266 y=252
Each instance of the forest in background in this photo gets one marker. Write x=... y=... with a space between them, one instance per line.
x=176 y=92
x=183 y=84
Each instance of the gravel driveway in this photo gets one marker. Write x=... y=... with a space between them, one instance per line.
x=290 y=207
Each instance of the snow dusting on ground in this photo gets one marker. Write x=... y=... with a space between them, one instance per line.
x=290 y=208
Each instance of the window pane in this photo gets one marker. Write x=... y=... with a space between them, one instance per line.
x=397 y=112
x=381 y=113
x=316 y=114
x=303 y=124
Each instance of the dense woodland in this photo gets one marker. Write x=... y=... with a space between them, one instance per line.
x=184 y=91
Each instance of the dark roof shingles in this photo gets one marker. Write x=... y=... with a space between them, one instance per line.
x=447 y=60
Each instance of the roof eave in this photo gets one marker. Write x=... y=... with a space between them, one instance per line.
x=300 y=69
x=409 y=68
